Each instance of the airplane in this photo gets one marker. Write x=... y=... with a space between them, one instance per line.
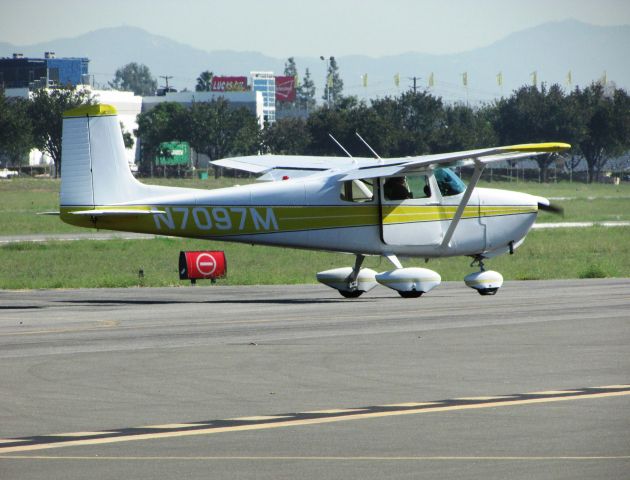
x=409 y=207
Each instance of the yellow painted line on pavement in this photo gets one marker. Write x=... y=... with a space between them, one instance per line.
x=307 y=421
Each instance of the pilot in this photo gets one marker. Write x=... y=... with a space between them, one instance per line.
x=395 y=188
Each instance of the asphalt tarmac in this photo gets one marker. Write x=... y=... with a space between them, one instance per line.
x=296 y=382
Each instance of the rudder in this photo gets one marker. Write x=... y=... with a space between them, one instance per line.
x=94 y=169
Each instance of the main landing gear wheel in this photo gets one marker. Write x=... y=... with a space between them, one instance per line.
x=410 y=294
x=351 y=293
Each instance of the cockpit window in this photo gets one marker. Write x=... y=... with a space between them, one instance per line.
x=448 y=182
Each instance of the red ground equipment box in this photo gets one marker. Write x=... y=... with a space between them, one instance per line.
x=202 y=264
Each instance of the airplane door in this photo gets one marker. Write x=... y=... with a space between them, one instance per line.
x=410 y=213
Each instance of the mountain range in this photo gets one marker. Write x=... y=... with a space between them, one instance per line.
x=552 y=50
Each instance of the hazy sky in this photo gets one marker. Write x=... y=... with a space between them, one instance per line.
x=305 y=28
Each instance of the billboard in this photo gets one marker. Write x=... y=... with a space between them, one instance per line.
x=173 y=153
x=285 y=89
x=229 y=84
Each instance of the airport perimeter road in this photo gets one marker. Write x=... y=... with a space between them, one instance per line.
x=295 y=382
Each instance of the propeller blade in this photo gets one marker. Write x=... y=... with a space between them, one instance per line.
x=551 y=208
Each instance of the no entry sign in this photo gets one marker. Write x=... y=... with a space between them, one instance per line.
x=202 y=264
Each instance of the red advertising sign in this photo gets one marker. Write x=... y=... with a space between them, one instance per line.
x=229 y=84
x=285 y=89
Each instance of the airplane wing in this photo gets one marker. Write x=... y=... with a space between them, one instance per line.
x=274 y=167
x=401 y=166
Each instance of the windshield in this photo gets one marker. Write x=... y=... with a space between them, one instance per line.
x=448 y=182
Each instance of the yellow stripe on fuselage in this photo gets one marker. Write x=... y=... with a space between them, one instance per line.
x=224 y=221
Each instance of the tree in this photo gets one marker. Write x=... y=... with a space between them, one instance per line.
x=217 y=130
x=204 y=81
x=135 y=77
x=465 y=128
x=306 y=93
x=535 y=114
x=46 y=110
x=127 y=137
x=288 y=136
x=16 y=136
x=164 y=123
x=333 y=86
x=290 y=70
x=606 y=130
x=415 y=123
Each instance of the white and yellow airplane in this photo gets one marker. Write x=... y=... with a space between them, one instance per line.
x=411 y=207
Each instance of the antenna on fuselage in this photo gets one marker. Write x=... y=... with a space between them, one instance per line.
x=368 y=145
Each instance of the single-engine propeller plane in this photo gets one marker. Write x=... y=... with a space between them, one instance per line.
x=409 y=207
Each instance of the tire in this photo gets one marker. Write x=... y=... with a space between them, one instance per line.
x=488 y=291
x=410 y=294
x=351 y=294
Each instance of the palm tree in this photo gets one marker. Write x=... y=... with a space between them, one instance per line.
x=204 y=81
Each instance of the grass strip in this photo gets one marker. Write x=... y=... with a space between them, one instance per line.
x=546 y=254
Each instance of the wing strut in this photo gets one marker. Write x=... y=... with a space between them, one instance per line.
x=479 y=166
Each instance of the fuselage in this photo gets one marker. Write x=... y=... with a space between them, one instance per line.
x=322 y=213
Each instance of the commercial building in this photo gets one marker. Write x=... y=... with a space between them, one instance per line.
x=265 y=83
x=21 y=72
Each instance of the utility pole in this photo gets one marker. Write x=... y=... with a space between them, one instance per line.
x=415 y=84
x=166 y=77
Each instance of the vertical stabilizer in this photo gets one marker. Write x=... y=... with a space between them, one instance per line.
x=94 y=169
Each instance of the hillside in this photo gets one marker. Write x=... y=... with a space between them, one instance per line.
x=551 y=49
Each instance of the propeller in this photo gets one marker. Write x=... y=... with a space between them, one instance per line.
x=551 y=208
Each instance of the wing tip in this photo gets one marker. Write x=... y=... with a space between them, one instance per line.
x=550 y=147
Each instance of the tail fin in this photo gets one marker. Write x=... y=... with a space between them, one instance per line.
x=94 y=169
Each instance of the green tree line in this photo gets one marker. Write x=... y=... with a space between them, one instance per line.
x=595 y=120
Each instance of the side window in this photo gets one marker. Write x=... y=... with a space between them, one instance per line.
x=358 y=191
x=402 y=188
